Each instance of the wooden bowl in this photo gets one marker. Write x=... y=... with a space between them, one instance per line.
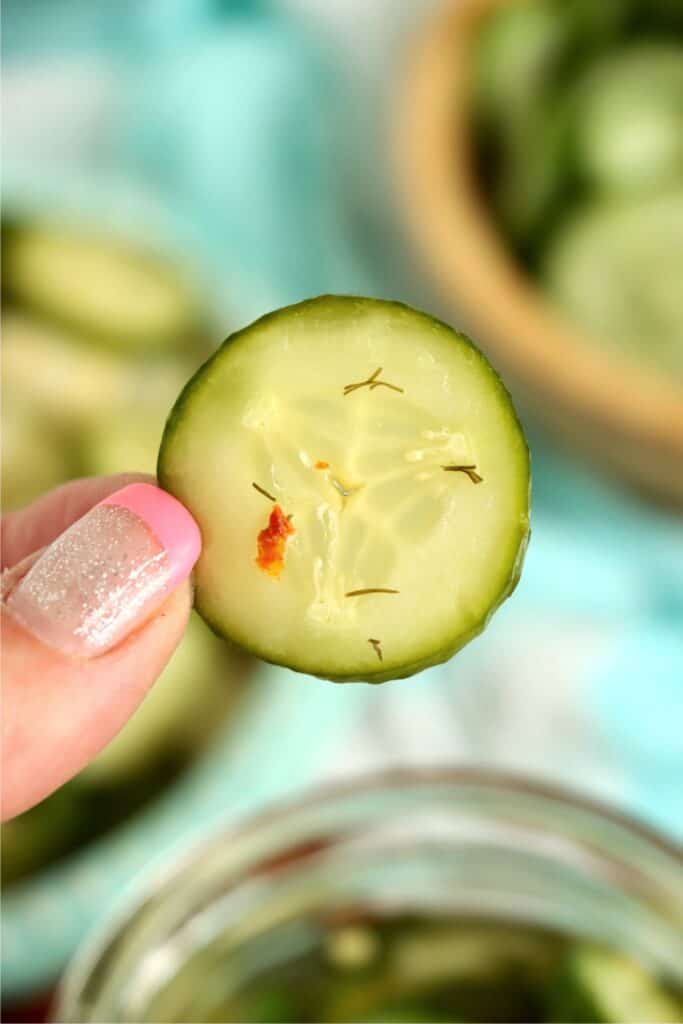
x=628 y=420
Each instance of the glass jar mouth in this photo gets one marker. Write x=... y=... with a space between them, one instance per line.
x=594 y=836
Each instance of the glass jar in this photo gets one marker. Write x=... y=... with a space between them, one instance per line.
x=456 y=842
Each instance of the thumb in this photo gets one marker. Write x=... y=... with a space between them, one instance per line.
x=88 y=624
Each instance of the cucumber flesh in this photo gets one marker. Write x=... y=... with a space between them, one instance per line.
x=414 y=483
x=99 y=287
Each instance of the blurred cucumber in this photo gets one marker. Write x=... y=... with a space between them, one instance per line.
x=126 y=437
x=72 y=384
x=520 y=47
x=35 y=456
x=527 y=48
x=126 y=445
x=479 y=972
x=41 y=834
x=616 y=268
x=186 y=704
x=123 y=444
x=521 y=55
x=71 y=409
x=598 y=986
x=530 y=180
x=629 y=119
x=566 y=102
x=99 y=288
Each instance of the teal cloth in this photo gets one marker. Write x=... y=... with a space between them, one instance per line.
x=237 y=121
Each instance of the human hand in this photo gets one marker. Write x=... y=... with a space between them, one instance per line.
x=95 y=598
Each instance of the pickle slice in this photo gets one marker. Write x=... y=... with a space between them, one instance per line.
x=100 y=288
x=361 y=482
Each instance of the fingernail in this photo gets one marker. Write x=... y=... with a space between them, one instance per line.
x=108 y=572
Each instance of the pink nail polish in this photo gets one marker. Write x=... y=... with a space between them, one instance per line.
x=108 y=572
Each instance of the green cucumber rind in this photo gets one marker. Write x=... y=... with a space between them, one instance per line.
x=518 y=543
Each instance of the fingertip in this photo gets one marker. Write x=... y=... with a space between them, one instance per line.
x=169 y=521
x=59 y=711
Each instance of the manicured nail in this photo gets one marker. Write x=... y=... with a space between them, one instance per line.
x=108 y=572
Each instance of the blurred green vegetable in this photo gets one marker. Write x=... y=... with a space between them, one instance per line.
x=67 y=383
x=35 y=457
x=82 y=394
x=629 y=119
x=616 y=269
x=99 y=288
x=578 y=111
x=447 y=969
x=599 y=986
x=519 y=51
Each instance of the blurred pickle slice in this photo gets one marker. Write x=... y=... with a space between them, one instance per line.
x=70 y=383
x=35 y=457
x=615 y=269
x=98 y=286
x=629 y=118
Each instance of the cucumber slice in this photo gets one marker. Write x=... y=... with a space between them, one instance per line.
x=629 y=119
x=599 y=986
x=99 y=287
x=409 y=492
x=616 y=270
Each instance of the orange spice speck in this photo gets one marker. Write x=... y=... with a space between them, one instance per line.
x=321 y=465
x=271 y=543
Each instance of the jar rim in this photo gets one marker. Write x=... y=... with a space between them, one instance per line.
x=395 y=780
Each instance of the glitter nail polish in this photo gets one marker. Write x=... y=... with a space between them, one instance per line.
x=108 y=572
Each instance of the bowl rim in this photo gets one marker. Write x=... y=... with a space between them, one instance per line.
x=463 y=251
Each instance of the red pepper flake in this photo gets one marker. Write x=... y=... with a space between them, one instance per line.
x=271 y=542
x=322 y=465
